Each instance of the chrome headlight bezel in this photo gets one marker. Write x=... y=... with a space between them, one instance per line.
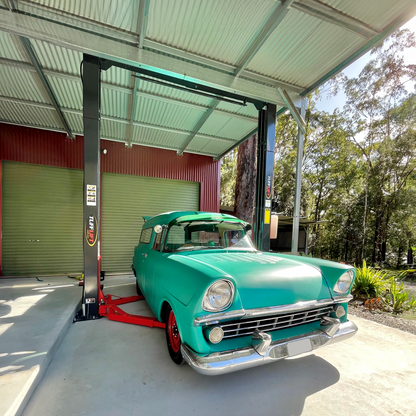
x=208 y=306
x=343 y=284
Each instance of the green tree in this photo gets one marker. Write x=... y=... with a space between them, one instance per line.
x=228 y=177
x=380 y=120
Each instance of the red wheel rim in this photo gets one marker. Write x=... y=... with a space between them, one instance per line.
x=174 y=337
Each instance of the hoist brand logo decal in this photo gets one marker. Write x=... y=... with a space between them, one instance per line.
x=269 y=187
x=91 y=230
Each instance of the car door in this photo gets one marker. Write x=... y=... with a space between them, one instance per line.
x=150 y=262
x=141 y=252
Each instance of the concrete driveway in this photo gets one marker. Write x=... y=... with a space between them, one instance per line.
x=107 y=367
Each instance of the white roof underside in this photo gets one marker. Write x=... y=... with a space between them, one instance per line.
x=209 y=38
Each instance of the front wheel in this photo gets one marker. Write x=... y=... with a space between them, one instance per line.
x=173 y=338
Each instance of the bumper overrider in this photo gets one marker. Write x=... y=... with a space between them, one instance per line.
x=264 y=351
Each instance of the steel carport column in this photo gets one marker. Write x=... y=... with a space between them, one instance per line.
x=264 y=181
x=298 y=182
x=91 y=82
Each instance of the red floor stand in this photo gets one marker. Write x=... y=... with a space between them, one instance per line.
x=109 y=308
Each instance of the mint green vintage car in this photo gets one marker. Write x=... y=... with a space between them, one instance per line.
x=228 y=306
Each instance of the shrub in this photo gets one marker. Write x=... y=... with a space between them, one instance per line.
x=368 y=282
x=396 y=297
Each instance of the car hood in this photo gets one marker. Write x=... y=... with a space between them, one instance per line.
x=262 y=279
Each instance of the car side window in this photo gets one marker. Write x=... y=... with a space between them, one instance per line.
x=156 y=244
x=146 y=235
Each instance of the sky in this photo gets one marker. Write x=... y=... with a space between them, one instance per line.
x=330 y=104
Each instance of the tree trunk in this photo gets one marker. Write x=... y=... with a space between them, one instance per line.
x=375 y=241
x=245 y=186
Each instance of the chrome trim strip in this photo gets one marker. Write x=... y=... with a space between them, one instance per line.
x=343 y=299
x=286 y=309
x=215 y=318
x=229 y=361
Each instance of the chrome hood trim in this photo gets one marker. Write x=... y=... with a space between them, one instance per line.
x=215 y=318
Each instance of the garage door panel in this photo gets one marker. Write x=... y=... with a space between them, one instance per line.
x=125 y=200
x=42 y=220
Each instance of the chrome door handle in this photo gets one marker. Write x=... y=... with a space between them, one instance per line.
x=144 y=254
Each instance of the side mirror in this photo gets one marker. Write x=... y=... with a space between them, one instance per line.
x=248 y=228
x=158 y=229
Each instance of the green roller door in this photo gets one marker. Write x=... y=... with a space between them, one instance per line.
x=125 y=199
x=42 y=220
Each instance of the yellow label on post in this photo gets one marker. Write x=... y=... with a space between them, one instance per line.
x=267 y=216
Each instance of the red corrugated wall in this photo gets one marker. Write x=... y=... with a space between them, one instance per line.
x=41 y=147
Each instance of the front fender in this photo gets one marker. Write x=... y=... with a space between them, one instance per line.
x=331 y=271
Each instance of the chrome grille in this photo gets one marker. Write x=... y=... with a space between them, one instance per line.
x=272 y=323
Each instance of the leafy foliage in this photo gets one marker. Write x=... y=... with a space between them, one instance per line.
x=228 y=177
x=359 y=164
x=369 y=282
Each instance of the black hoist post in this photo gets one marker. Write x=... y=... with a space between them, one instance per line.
x=264 y=181
x=91 y=84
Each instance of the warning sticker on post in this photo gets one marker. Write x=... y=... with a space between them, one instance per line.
x=92 y=195
x=267 y=216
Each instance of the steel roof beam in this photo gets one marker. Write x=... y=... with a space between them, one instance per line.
x=115 y=119
x=330 y=14
x=280 y=11
x=125 y=90
x=142 y=21
x=213 y=105
x=130 y=57
x=293 y=110
x=141 y=30
x=45 y=83
x=34 y=60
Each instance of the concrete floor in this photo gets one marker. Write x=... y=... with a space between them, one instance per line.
x=34 y=319
x=107 y=367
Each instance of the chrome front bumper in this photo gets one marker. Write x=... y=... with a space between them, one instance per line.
x=229 y=361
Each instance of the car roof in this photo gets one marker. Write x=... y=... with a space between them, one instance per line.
x=183 y=216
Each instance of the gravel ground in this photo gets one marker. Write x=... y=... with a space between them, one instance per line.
x=407 y=325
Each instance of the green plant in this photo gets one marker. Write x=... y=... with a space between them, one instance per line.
x=369 y=282
x=396 y=297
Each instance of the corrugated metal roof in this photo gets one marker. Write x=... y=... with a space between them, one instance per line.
x=19 y=83
x=200 y=145
x=294 y=52
x=377 y=15
x=59 y=59
x=154 y=138
x=121 y=14
x=75 y=122
x=28 y=115
x=10 y=48
x=222 y=126
x=215 y=34
x=216 y=29
x=68 y=93
x=114 y=103
x=165 y=114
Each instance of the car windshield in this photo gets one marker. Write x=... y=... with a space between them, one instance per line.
x=205 y=235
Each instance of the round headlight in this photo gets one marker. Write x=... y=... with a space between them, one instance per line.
x=219 y=296
x=344 y=282
x=216 y=335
